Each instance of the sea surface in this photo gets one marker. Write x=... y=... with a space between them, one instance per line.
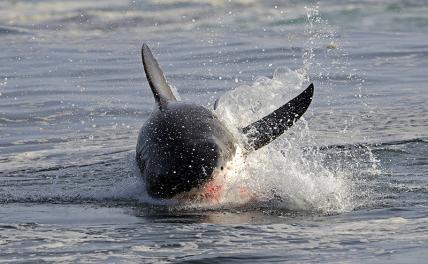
x=347 y=184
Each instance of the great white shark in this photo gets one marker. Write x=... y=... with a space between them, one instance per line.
x=183 y=147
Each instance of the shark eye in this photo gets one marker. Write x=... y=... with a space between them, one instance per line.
x=221 y=167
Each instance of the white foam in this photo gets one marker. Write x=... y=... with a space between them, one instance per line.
x=284 y=171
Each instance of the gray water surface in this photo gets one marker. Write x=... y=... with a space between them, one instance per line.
x=73 y=96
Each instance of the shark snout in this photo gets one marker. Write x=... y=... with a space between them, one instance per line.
x=183 y=170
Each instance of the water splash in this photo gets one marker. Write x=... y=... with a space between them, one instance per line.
x=291 y=171
x=284 y=172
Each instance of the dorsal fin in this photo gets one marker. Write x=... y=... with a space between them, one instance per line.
x=265 y=130
x=160 y=88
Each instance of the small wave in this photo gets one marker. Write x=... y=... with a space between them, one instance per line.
x=377 y=144
x=12 y=31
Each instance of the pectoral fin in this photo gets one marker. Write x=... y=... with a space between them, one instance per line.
x=265 y=130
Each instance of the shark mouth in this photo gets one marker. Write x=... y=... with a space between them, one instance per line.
x=218 y=189
x=210 y=192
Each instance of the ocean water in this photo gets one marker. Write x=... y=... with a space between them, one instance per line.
x=348 y=183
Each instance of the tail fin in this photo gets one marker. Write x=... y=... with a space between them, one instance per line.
x=265 y=130
x=160 y=88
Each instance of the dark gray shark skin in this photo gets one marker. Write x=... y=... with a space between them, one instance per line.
x=181 y=145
